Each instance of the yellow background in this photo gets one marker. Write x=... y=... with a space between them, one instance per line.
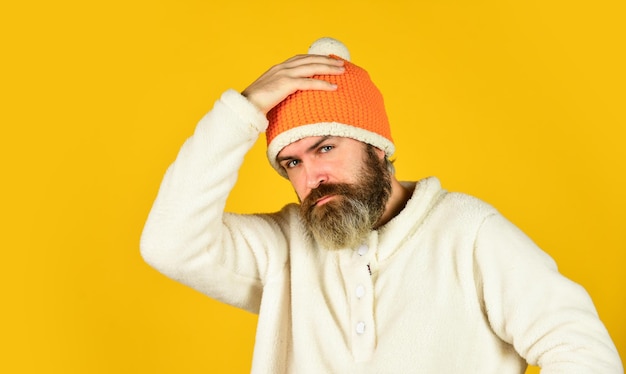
x=520 y=103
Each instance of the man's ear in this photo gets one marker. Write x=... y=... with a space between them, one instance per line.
x=380 y=153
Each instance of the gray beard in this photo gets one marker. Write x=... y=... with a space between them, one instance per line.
x=343 y=223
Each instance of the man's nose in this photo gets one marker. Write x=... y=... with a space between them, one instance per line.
x=314 y=176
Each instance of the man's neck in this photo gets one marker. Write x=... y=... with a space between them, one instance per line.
x=397 y=201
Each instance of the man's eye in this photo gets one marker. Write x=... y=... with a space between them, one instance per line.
x=291 y=164
x=326 y=148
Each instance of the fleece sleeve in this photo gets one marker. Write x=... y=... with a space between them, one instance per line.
x=550 y=320
x=187 y=236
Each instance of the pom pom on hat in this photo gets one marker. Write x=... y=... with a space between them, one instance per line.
x=355 y=110
x=329 y=46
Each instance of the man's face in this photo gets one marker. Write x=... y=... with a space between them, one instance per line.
x=343 y=186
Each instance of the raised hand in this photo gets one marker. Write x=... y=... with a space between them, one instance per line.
x=290 y=76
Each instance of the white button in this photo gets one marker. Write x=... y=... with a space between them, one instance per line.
x=362 y=250
x=359 y=291
x=360 y=327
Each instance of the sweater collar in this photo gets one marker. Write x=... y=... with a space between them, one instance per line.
x=406 y=224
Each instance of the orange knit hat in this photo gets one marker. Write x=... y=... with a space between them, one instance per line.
x=355 y=110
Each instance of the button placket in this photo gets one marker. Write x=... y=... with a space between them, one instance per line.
x=362 y=304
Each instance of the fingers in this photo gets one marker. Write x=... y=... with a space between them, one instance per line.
x=312 y=59
x=290 y=76
x=307 y=66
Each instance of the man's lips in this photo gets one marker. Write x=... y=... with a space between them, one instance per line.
x=324 y=199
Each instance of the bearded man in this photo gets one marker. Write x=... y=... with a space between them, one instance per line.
x=367 y=274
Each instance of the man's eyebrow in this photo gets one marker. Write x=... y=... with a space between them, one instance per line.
x=280 y=159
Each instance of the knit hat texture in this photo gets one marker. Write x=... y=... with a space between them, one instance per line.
x=355 y=110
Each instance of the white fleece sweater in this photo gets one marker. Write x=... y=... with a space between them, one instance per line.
x=454 y=287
